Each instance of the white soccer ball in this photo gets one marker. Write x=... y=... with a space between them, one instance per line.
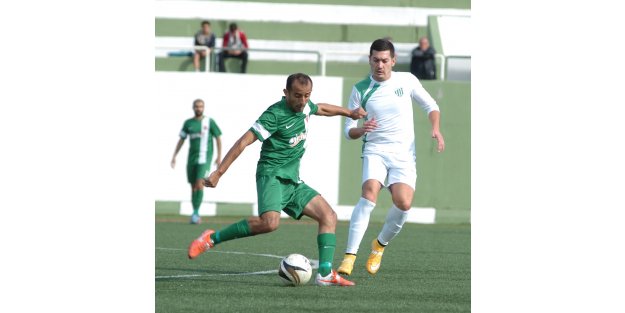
x=295 y=270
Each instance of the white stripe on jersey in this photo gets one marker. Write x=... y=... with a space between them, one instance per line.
x=204 y=131
x=262 y=131
x=391 y=105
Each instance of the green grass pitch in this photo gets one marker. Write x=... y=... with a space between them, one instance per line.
x=427 y=268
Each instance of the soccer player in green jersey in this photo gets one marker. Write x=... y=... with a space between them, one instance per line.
x=282 y=129
x=201 y=131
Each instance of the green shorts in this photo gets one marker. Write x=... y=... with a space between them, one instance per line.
x=276 y=194
x=197 y=171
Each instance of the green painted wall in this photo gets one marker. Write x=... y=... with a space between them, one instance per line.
x=444 y=179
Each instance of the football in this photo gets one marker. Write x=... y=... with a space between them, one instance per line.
x=295 y=270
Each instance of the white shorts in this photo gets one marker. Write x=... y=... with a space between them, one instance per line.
x=389 y=169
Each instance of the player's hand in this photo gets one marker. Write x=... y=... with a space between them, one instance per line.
x=173 y=163
x=358 y=113
x=436 y=134
x=369 y=125
x=212 y=180
x=217 y=162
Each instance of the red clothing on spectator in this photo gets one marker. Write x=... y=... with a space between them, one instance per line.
x=242 y=37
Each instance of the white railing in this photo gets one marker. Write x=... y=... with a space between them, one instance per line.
x=320 y=56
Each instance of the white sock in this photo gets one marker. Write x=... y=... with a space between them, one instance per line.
x=395 y=219
x=358 y=224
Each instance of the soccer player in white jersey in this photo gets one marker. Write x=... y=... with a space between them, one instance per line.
x=388 y=151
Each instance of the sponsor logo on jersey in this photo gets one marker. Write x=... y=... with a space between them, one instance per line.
x=289 y=126
x=399 y=92
x=195 y=135
x=295 y=140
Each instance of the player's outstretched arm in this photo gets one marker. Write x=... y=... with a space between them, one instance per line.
x=247 y=139
x=178 y=146
x=435 y=117
x=218 y=159
x=326 y=109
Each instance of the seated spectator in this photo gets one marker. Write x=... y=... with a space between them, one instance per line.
x=235 y=44
x=422 y=63
x=203 y=37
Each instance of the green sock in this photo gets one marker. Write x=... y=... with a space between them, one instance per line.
x=196 y=200
x=239 y=229
x=326 y=243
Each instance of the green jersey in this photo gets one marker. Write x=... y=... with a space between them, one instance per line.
x=201 y=133
x=283 y=134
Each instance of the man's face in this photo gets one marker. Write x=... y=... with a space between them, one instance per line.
x=206 y=29
x=381 y=64
x=424 y=43
x=198 y=108
x=298 y=96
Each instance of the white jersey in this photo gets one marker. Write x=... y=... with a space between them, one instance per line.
x=389 y=102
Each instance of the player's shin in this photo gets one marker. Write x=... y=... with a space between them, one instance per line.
x=395 y=219
x=196 y=200
x=358 y=224
x=239 y=229
x=327 y=244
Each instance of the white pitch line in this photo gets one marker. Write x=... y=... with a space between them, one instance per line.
x=223 y=274
x=313 y=263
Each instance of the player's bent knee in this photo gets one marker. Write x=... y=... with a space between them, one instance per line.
x=329 y=218
x=370 y=190
x=270 y=224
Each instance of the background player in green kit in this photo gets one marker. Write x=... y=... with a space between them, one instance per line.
x=282 y=129
x=201 y=130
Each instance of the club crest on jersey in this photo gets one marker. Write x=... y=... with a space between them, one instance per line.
x=399 y=92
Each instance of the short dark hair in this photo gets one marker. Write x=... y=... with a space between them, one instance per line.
x=300 y=77
x=233 y=27
x=197 y=101
x=382 y=45
x=206 y=23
